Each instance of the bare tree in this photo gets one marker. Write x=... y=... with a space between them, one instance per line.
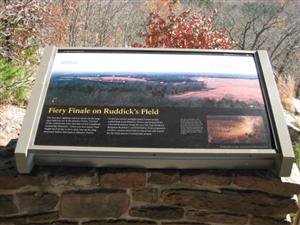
x=102 y=23
x=265 y=25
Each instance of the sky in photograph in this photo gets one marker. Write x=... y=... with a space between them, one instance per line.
x=154 y=63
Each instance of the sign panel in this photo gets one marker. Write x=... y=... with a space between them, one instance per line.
x=155 y=108
x=154 y=100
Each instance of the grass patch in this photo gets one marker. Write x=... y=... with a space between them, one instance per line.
x=14 y=83
x=297 y=152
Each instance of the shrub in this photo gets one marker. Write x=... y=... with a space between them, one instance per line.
x=185 y=30
x=297 y=152
x=14 y=83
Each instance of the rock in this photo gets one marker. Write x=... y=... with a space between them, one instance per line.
x=157 y=212
x=94 y=203
x=267 y=221
x=162 y=177
x=297 y=105
x=56 y=222
x=294 y=134
x=12 y=220
x=145 y=195
x=205 y=177
x=9 y=149
x=123 y=178
x=268 y=182
x=11 y=118
x=293 y=181
x=291 y=121
x=37 y=219
x=35 y=202
x=7 y=205
x=52 y=216
x=253 y=202
x=15 y=182
x=184 y=223
x=210 y=217
x=229 y=218
x=3 y=137
x=119 y=222
x=70 y=177
x=262 y=180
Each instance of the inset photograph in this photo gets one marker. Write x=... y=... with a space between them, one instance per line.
x=248 y=130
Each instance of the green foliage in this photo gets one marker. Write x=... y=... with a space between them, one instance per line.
x=13 y=83
x=297 y=152
x=201 y=3
x=20 y=36
x=30 y=52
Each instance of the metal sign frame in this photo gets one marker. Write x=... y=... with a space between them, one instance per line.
x=280 y=158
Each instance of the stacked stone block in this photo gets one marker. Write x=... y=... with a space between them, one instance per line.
x=101 y=196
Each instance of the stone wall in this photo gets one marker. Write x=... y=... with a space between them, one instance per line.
x=94 y=196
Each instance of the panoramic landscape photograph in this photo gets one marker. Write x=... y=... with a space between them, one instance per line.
x=203 y=85
x=181 y=90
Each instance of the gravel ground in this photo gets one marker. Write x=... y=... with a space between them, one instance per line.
x=11 y=118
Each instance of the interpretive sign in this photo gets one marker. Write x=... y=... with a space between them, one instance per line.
x=155 y=108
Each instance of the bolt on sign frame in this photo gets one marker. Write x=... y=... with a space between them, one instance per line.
x=155 y=108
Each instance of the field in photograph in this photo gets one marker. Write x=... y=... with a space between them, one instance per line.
x=245 y=90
